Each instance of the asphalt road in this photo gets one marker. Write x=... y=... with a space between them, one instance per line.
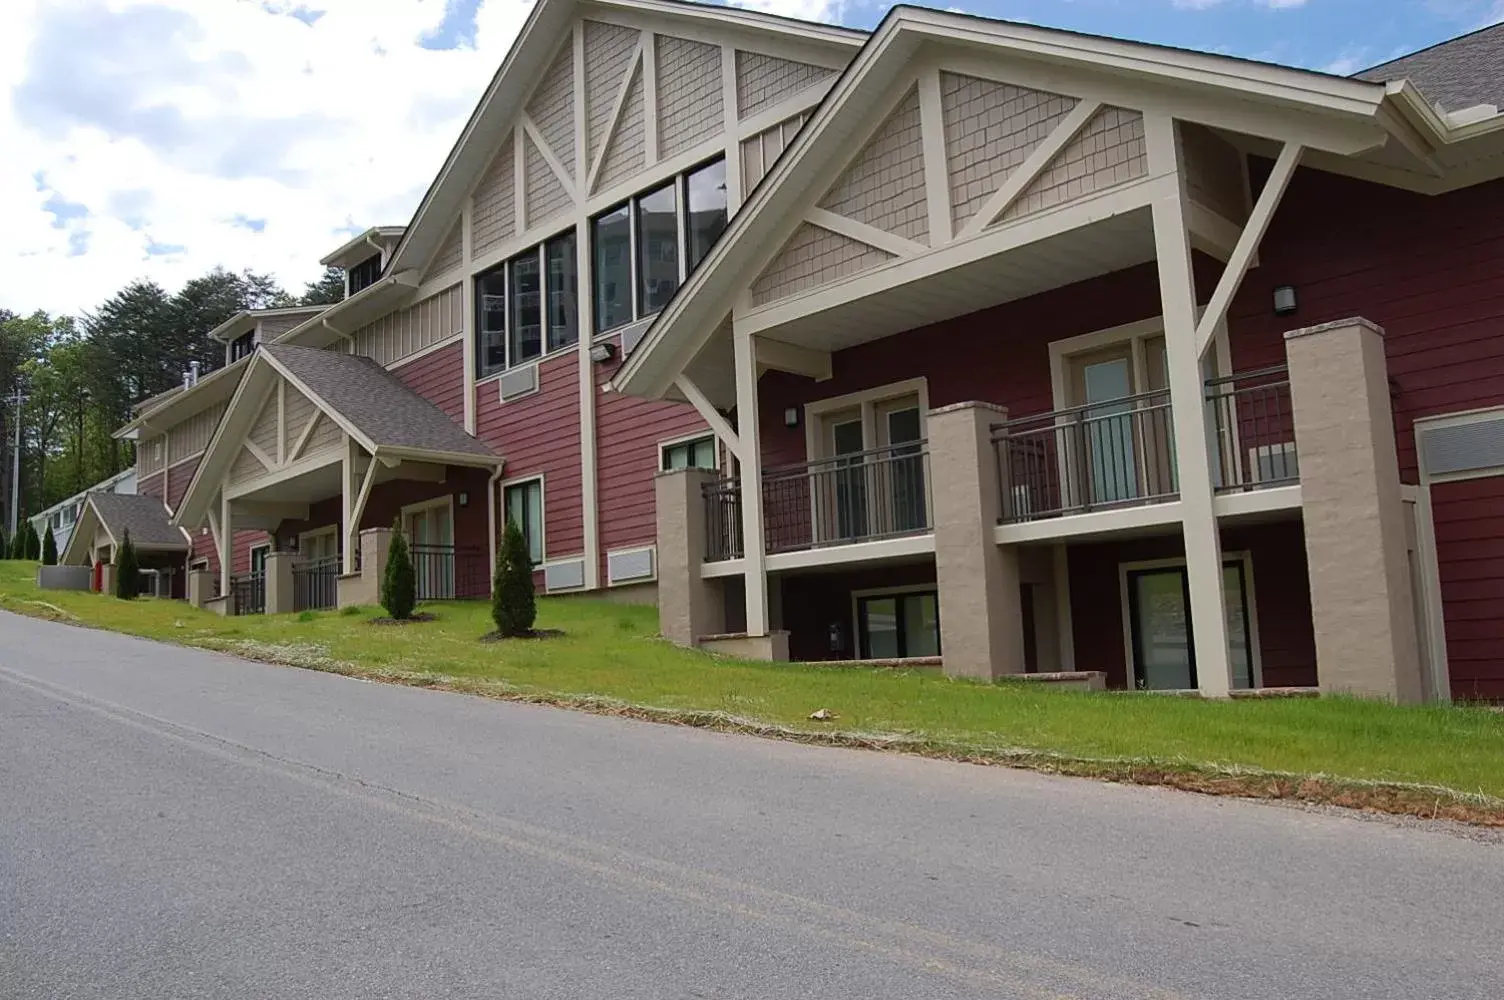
x=181 y=824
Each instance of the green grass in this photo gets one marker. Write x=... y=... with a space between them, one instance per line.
x=611 y=652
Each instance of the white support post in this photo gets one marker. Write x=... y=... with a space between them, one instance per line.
x=226 y=543
x=347 y=503
x=589 y=447
x=1177 y=290
x=754 y=558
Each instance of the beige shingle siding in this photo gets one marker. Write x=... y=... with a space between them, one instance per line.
x=884 y=186
x=450 y=255
x=410 y=330
x=1214 y=172
x=552 y=107
x=494 y=216
x=264 y=431
x=326 y=437
x=273 y=327
x=689 y=94
x=1109 y=151
x=762 y=81
x=245 y=467
x=760 y=152
x=300 y=410
x=991 y=128
x=608 y=53
x=627 y=153
x=192 y=436
x=546 y=197
x=813 y=257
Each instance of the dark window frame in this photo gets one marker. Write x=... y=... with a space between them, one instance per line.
x=539 y=253
x=526 y=486
x=863 y=633
x=363 y=275
x=242 y=346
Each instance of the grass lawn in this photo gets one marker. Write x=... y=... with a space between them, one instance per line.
x=611 y=658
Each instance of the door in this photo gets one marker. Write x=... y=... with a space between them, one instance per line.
x=1108 y=466
x=900 y=465
x=848 y=492
x=1161 y=634
x=898 y=626
x=430 y=533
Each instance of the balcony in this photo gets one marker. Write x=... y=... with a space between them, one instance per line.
x=1121 y=454
x=858 y=497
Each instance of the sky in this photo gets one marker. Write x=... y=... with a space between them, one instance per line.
x=159 y=138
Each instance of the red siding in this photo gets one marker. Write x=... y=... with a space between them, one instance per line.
x=439 y=377
x=386 y=501
x=540 y=433
x=812 y=603
x=628 y=434
x=178 y=478
x=1287 y=644
x=154 y=485
x=1469 y=519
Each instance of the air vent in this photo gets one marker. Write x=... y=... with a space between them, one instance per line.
x=632 y=336
x=1450 y=449
x=568 y=575
x=518 y=382
x=630 y=565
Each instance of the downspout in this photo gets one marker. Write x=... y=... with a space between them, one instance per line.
x=491 y=511
x=378 y=248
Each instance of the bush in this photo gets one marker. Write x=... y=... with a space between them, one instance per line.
x=127 y=570
x=49 y=548
x=513 y=607
x=33 y=543
x=4 y=545
x=399 y=587
x=18 y=542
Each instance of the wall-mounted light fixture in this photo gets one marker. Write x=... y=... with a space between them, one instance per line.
x=791 y=417
x=464 y=499
x=601 y=353
x=1284 y=300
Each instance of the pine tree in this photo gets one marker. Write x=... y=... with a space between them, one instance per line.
x=33 y=543
x=4 y=545
x=127 y=570
x=49 y=548
x=513 y=606
x=18 y=542
x=399 y=587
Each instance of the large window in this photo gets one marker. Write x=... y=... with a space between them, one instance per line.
x=365 y=274
x=898 y=626
x=523 y=503
x=696 y=454
x=513 y=300
x=643 y=249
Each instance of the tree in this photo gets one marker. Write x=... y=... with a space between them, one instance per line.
x=4 y=545
x=127 y=570
x=18 y=542
x=327 y=290
x=33 y=543
x=513 y=606
x=49 y=548
x=399 y=587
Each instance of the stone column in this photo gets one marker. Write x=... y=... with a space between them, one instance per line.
x=981 y=621
x=279 y=585
x=689 y=606
x=108 y=574
x=1361 y=604
x=364 y=588
x=200 y=587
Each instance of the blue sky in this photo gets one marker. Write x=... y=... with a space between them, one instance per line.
x=160 y=138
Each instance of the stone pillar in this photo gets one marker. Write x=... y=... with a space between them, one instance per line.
x=200 y=587
x=981 y=621
x=689 y=606
x=1361 y=604
x=363 y=589
x=279 y=586
x=108 y=574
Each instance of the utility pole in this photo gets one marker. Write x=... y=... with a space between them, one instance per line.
x=17 y=400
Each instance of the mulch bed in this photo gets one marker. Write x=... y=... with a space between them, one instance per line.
x=537 y=633
x=415 y=619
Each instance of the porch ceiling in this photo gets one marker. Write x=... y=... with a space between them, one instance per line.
x=1111 y=244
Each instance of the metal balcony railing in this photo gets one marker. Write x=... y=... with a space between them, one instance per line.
x=858 y=497
x=451 y=572
x=315 y=584
x=1255 y=429
x=249 y=594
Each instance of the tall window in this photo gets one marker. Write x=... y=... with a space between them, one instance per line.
x=242 y=345
x=365 y=274
x=514 y=299
x=523 y=503
x=643 y=249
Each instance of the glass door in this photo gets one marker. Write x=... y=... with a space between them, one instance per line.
x=430 y=534
x=1163 y=641
x=898 y=626
x=850 y=485
x=1103 y=382
x=900 y=465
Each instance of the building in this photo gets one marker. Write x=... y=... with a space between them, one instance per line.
x=61 y=517
x=1028 y=350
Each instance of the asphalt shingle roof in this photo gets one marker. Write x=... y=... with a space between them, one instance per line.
x=376 y=402
x=1458 y=74
x=143 y=516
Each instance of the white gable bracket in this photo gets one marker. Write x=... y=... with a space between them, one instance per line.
x=711 y=416
x=779 y=356
x=1034 y=164
x=550 y=158
x=898 y=246
x=1248 y=244
x=617 y=107
x=932 y=136
x=260 y=455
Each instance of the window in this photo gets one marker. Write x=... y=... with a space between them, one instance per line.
x=258 y=559
x=642 y=249
x=697 y=454
x=1160 y=637
x=242 y=345
x=898 y=626
x=365 y=274
x=513 y=299
x=523 y=503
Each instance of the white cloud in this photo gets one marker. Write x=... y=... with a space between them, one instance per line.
x=149 y=127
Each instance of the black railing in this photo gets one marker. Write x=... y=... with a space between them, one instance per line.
x=248 y=594
x=450 y=572
x=1097 y=457
x=858 y=497
x=1255 y=429
x=315 y=584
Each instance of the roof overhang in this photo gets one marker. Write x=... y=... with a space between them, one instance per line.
x=377 y=239
x=244 y=322
x=524 y=66
x=341 y=320
x=90 y=522
x=213 y=388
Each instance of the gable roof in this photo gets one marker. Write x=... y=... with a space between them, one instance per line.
x=521 y=69
x=146 y=518
x=774 y=208
x=1456 y=74
x=245 y=321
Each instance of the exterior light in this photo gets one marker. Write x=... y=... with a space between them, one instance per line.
x=601 y=353
x=791 y=417
x=1284 y=300
x=464 y=499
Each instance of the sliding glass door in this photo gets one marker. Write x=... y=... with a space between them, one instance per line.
x=1162 y=638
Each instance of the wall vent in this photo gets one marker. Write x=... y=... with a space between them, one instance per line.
x=518 y=382
x=568 y=575
x=1456 y=448
x=631 y=565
